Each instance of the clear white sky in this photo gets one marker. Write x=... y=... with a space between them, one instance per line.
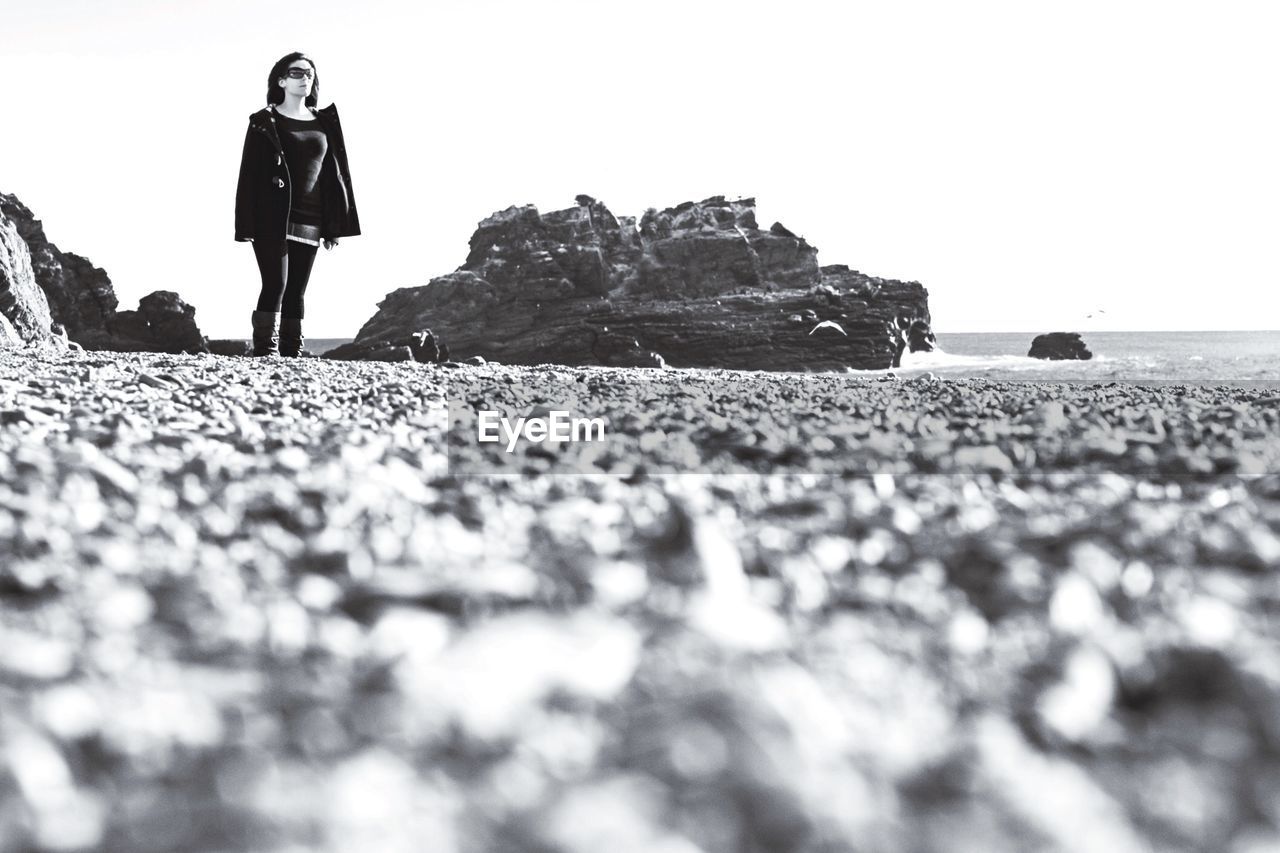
x=1029 y=162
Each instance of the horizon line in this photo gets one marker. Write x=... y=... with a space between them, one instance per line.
x=935 y=331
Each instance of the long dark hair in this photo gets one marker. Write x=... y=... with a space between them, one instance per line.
x=275 y=94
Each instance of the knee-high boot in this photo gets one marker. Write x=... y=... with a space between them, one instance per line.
x=291 y=337
x=266 y=333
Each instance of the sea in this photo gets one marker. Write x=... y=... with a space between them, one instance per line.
x=319 y=345
x=1193 y=357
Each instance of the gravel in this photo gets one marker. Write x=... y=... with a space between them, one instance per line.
x=268 y=605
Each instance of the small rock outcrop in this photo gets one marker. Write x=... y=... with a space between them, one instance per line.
x=420 y=346
x=162 y=323
x=79 y=297
x=1060 y=346
x=696 y=285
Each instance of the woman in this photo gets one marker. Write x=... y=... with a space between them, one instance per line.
x=294 y=193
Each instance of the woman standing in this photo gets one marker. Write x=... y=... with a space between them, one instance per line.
x=294 y=193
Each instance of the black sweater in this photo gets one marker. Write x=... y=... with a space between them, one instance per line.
x=305 y=145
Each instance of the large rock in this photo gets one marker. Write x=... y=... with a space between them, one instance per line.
x=24 y=311
x=1060 y=346
x=696 y=285
x=162 y=323
x=79 y=297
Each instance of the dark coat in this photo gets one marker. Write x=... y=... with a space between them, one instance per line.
x=264 y=192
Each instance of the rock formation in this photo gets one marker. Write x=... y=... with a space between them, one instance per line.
x=696 y=285
x=162 y=323
x=79 y=297
x=24 y=311
x=1060 y=346
x=419 y=346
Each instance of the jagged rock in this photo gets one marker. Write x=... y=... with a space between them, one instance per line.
x=529 y=256
x=24 y=311
x=714 y=247
x=79 y=296
x=696 y=285
x=426 y=348
x=171 y=322
x=162 y=323
x=620 y=350
x=920 y=337
x=1060 y=346
x=421 y=346
x=9 y=336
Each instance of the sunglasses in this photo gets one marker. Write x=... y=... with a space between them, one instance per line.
x=299 y=73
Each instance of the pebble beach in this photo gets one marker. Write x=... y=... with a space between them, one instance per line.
x=275 y=605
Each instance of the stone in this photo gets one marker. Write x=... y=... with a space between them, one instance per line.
x=78 y=296
x=1049 y=417
x=420 y=346
x=244 y=612
x=695 y=285
x=171 y=322
x=9 y=336
x=24 y=311
x=1060 y=346
x=985 y=457
x=164 y=322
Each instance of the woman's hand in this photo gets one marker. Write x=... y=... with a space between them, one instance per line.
x=329 y=244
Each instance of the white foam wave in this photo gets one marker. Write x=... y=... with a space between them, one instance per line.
x=1101 y=367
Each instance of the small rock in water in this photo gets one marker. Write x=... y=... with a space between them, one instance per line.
x=1060 y=346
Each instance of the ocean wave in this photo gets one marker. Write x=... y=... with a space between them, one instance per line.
x=1101 y=367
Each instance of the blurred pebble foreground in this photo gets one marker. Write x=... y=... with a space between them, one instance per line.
x=245 y=607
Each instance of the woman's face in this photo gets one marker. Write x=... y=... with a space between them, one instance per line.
x=300 y=77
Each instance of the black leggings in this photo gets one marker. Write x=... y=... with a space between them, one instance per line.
x=285 y=268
